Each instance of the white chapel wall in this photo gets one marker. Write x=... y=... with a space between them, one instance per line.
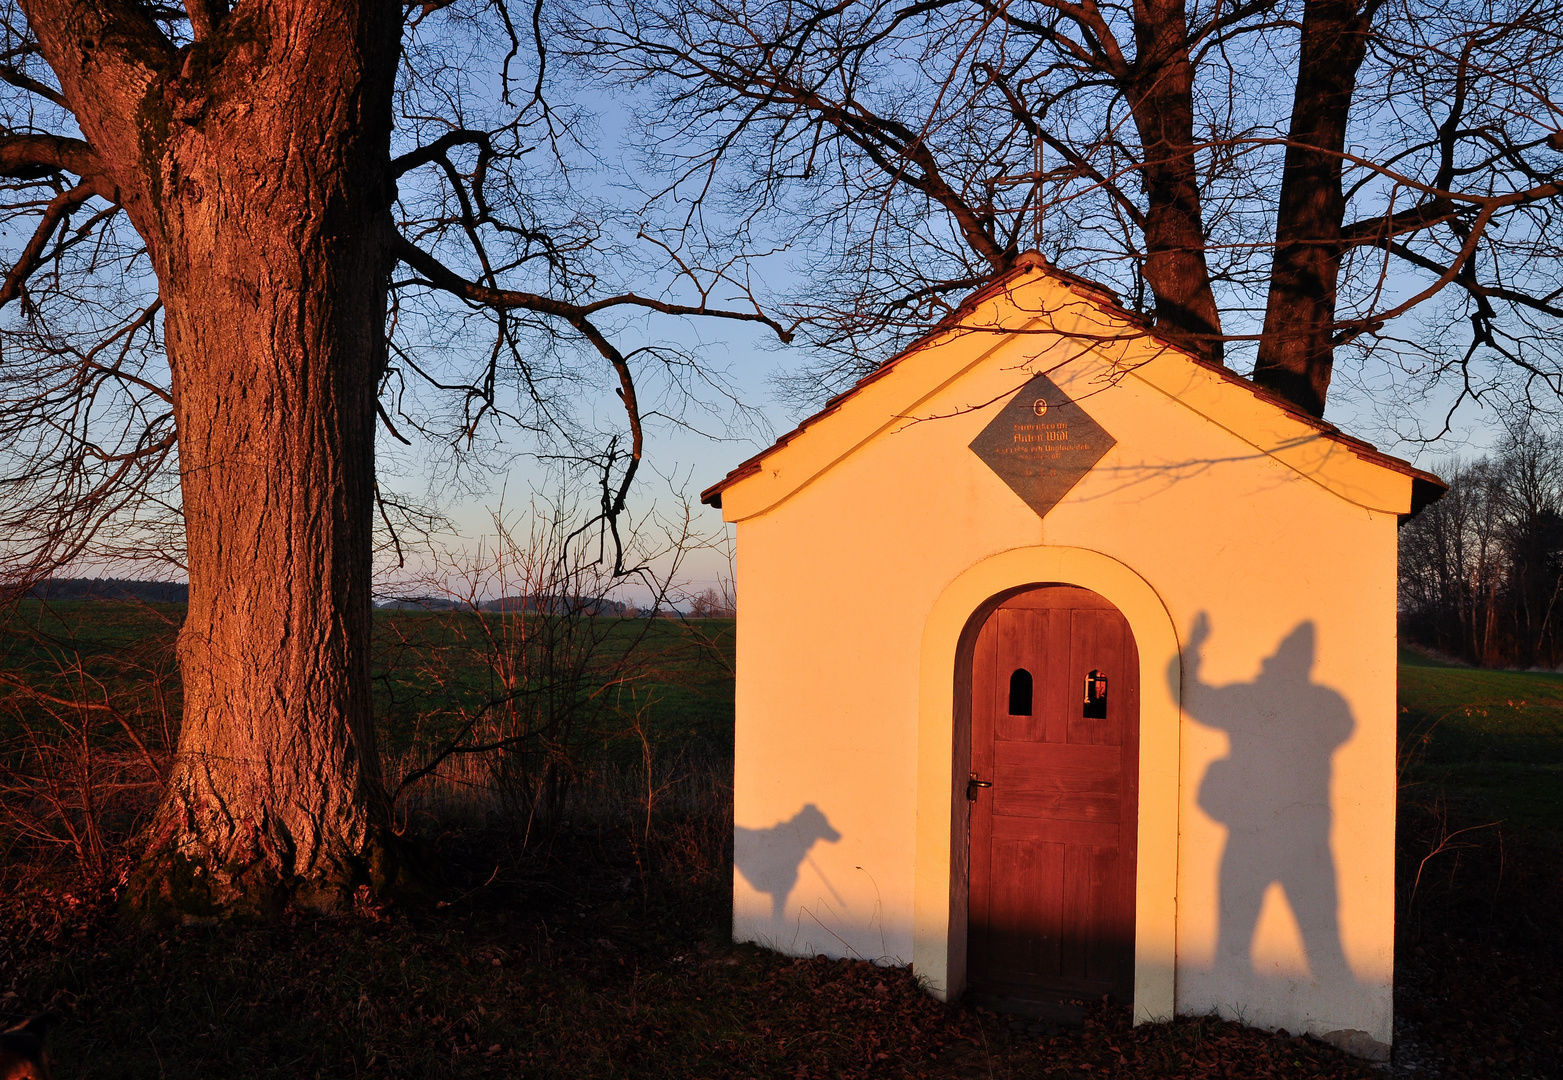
x=1288 y=737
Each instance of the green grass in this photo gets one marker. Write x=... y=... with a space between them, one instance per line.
x=669 y=680
x=426 y=664
x=1492 y=741
x=89 y=650
x=600 y=708
x=99 y=625
x=1489 y=742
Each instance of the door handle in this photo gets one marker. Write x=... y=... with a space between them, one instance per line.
x=973 y=784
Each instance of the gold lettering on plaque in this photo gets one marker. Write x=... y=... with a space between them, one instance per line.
x=1041 y=459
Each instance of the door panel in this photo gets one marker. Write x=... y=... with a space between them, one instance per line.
x=1057 y=780
x=1051 y=906
x=1026 y=910
x=1054 y=831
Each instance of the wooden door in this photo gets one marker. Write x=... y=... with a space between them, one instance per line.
x=1053 y=839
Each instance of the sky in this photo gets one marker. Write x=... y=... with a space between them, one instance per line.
x=681 y=460
x=696 y=449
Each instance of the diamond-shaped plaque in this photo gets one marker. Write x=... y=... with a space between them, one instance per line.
x=1041 y=444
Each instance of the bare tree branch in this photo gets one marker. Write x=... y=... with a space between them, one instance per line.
x=54 y=214
x=204 y=16
x=508 y=299
x=32 y=157
x=22 y=81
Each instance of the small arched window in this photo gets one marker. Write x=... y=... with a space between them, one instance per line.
x=1020 y=693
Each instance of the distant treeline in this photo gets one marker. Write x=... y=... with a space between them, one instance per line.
x=1481 y=569
x=177 y=592
x=147 y=592
x=544 y=605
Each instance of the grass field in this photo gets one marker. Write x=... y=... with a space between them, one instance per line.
x=602 y=693
x=1491 y=741
x=601 y=950
x=432 y=663
x=424 y=661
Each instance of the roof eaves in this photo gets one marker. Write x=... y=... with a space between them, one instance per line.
x=1425 y=487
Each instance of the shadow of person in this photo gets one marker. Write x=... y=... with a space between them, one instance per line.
x=769 y=858
x=1272 y=792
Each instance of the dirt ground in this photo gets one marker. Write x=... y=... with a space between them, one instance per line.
x=581 y=964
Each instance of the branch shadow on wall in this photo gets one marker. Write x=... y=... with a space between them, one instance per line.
x=769 y=858
x=1272 y=792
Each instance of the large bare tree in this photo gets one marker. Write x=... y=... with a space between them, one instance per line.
x=224 y=219
x=1270 y=179
x=1481 y=571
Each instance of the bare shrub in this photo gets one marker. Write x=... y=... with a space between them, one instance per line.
x=89 y=714
x=517 y=695
x=712 y=603
x=1481 y=570
x=542 y=705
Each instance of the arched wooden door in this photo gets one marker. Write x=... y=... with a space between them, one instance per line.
x=1055 y=725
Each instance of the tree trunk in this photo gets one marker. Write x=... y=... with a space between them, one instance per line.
x=255 y=165
x=1161 y=96
x=276 y=349
x=1297 y=350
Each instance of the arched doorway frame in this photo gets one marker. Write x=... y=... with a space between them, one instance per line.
x=939 y=897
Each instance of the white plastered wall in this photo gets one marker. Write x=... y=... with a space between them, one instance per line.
x=850 y=585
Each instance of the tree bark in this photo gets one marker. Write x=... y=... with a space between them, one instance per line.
x=1160 y=89
x=1297 y=351
x=255 y=165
